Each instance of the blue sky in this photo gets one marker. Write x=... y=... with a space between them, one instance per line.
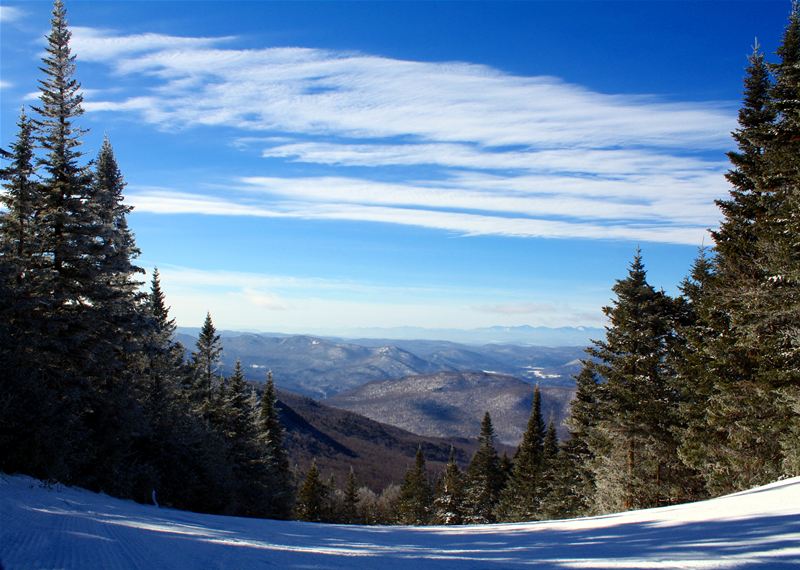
x=321 y=166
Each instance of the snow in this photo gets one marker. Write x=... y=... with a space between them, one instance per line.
x=68 y=528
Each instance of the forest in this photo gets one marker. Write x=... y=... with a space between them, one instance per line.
x=686 y=398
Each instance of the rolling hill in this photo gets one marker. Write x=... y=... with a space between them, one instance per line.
x=339 y=439
x=323 y=367
x=452 y=404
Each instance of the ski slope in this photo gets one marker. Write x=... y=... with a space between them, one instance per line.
x=69 y=528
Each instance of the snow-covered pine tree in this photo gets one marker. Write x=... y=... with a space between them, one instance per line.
x=312 y=496
x=778 y=325
x=415 y=493
x=576 y=493
x=118 y=307
x=483 y=478
x=634 y=453
x=448 y=506
x=205 y=377
x=522 y=495
x=349 y=514
x=238 y=424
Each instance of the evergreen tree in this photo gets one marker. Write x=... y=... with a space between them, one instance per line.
x=205 y=369
x=576 y=493
x=483 y=479
x=350 y=513
x=22 y=421
x=244 y=455
x=117 y=304
x=755 y=352
x=67 y=282
x=775 y=324
x=634 y=451
x=692 y=357
x=276 y=459
x=522 y=495
x=415 y=493
x=312 y=497
x=163 y=355
x=22 y=199
x=448 y=506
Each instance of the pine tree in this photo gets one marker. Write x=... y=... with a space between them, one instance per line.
x=522 y=495
x=755 y=353
x=163 y=355
x=775 y=323
x=22 y=199
x=117 y=302
x=67 y=215
x=237 y=421
x=634 y=451
x=483 y=479
x=312 y=497
x=276 y=460
x=205 y=369
x=576 y=493
x=415 y=493
x=692 y=357
x=26 y=403
x=350 y=513
x=448 y=506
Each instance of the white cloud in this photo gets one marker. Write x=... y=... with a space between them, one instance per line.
x=347 y=94
x=5 y=84
x=513 y=155
x=92 y=44
x=10 y=14
x=645 y=199
x=462 y=223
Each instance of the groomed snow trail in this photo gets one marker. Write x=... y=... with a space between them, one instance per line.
x=73 y=529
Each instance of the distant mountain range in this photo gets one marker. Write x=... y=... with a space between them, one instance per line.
x=323 y=367
x=452 y=404
x=523 y=335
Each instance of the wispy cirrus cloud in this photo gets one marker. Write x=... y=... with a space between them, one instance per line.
x=503 y=154
x=463 y=223
x=10 y=14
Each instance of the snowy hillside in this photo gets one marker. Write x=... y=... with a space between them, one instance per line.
x=75 y=529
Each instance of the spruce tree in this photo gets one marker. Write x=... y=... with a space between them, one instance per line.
x=237 y=420
x=483 y=478
x=634 y=451
x=415 y=494
x=311 y=497
x=25 y=409
x=276 y=459
x=774 y=324
x=66 y=242
x=448 y=506
x=349 y=514
x=522 y=495
x=22 y=199
x=205 y=369
x=576 y=494
x=755 y=353
x=118 y=312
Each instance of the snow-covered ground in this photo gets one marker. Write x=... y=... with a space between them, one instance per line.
x=74 y=529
